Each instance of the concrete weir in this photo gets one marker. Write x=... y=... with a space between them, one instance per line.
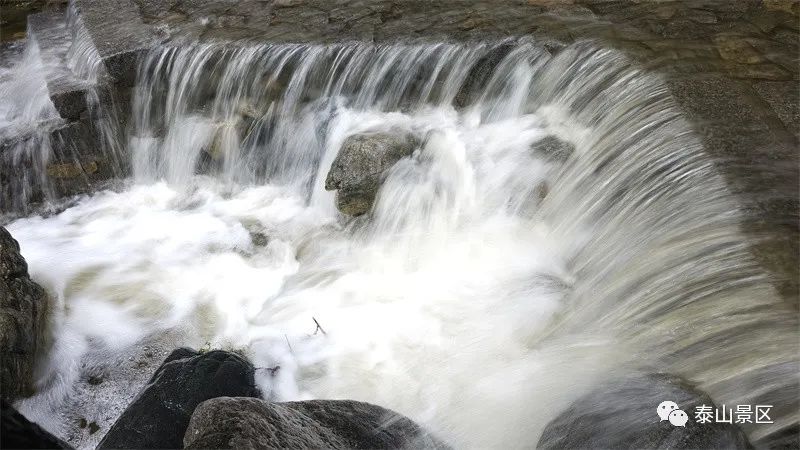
x=88 y=66
x=67 y=90
x=119 y=43
x=731 y=66
x=82 y=49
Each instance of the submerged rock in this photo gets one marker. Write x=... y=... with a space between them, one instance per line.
x=159 y=415
x=553 y=149
x=23 y=316
x=622 y=414
x=333 y=424
x=16 y=431
x=360 y=166
x=480 y=74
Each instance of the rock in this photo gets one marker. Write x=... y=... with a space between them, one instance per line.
x=16 y=431
x=23 y=320
x=67 y=91
x=553 y=149
x=159 y=415
x=360 y=166
x=11 y=52
x=622 y=414
x=770 y=72
x=784 y=99
x=788 y=437
x=76 y=164
x=703 y=16
x=736 y=49
x=665 y=12
x=259 y=239
x=718 y=99
x=333 y=424
x=790 y=6
x=119 y=35
x=69 y=170
x=69 y=102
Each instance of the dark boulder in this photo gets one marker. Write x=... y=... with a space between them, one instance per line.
x=622 y=414
x=16 y=431
x=361 y=165
x=159 y=415
x=333 y=424
x=23 y=317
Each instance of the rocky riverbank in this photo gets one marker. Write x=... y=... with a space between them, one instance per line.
x=209 y=400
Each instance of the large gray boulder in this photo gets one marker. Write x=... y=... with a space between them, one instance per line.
x=332 y=424
x=622 y=414
x=23 y=317
x=158 y=417
x=361 y=165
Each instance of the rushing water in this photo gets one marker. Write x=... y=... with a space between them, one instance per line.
x=491 y=284
x=59 y=53
x=26 y=117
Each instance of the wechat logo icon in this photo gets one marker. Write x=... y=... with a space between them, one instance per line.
x=669 y=411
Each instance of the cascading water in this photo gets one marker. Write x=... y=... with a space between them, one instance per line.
x=26 y=117
x=490 y=285
x=31 y=127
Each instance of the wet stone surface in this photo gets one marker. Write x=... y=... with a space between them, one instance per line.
x=14 y=16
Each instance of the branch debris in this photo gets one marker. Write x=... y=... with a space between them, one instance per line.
x=289 y=344
x=271 y=370
x=319 y=328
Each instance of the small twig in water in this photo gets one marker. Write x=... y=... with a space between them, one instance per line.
x=271 y=370
x=319 y=328
x=289 y=344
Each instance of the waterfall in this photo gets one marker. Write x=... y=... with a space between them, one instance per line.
x=26 y=117
x=491 y=284
x=33 y=131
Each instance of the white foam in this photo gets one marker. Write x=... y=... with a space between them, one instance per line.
x=428 y=300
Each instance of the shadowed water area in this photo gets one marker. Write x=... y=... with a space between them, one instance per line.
x=494 y=280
